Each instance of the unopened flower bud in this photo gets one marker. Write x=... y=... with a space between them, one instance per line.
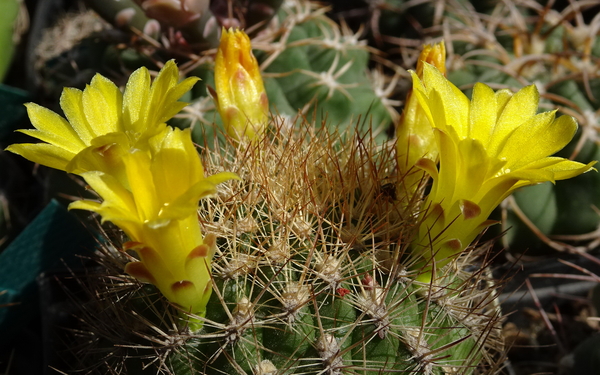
x=240 y=93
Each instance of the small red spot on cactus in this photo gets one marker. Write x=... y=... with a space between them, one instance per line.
x=368 y=282
x=343 y=291
x=179 y=39
x=180 y=285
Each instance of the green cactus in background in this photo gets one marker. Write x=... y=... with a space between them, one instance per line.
x=310 y=64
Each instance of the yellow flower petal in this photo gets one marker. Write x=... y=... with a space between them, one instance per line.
x=171 y=104
x=72 y=106
x=560 y=168
x=136 y=100
x=483 y=113
x=85 y=204
x=165 y=92
x=141 y=182
x=52 y=128
x=177 y=166
x=114 y=195
x=448 y=105
x=519 y=108
x=102 y=103
x=541 y=135
x=43 y=153
x=105 y=153
x=446 y=182
x=473 y=162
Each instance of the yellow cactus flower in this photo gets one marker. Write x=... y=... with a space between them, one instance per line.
x=414 y=133
x=149 y=176
x=102 y=124
x=239 y=90
x=157 y=208
x=488 y=147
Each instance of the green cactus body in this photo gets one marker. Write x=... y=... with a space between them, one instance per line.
x=309 y=275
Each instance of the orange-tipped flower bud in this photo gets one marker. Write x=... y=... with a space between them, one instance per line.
x=240 y=93
x=435 y=55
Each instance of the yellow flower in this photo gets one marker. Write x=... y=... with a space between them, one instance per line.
x=157 y=209
x=240 y=94
x=488 y=147
x=103 y=124
x=414 y=133
x=149 y=176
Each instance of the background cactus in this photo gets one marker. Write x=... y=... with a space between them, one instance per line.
x=312 y=65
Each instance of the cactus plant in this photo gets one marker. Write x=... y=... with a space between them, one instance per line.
x=311 y=276
x=321 y=266
x=316 y=269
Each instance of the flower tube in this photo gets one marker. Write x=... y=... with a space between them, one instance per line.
x=157 y=209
